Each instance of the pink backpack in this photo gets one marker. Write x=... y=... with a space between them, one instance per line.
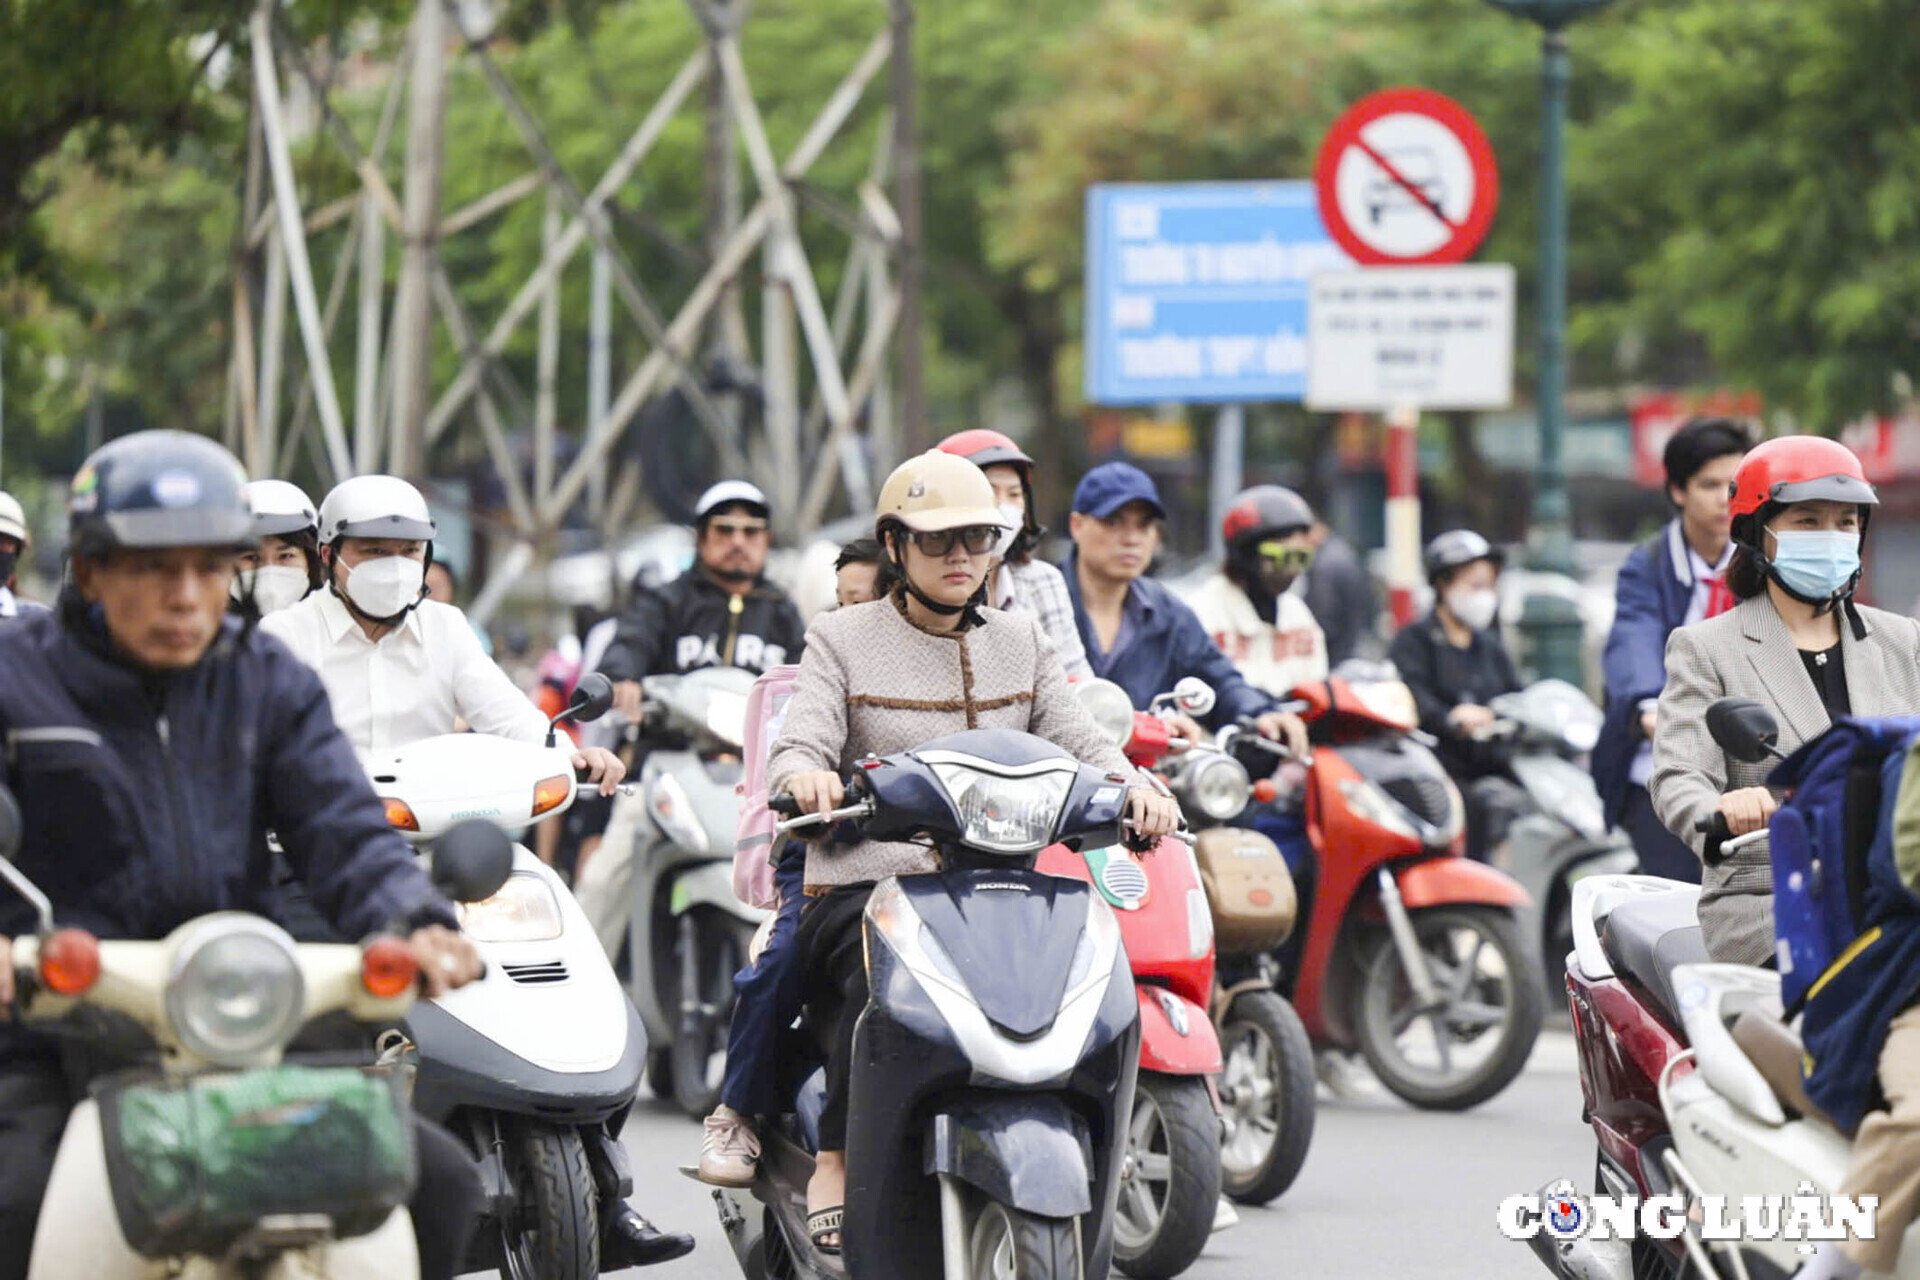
x=754 y=837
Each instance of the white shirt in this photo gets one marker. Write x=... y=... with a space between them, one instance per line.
x=1276 y=657
x=412 y=683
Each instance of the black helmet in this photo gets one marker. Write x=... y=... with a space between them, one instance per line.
x=159 y=489
x=1458 y=548
x=1264 y=511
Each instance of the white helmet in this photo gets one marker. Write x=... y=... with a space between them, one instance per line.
x=13 y=520
x=280 y=508
x=375 y=507
x=730 y=493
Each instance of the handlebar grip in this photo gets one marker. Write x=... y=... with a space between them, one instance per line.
x=785 y=805
x=1714 y=824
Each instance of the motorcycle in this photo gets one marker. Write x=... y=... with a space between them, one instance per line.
x=1408 y=944
x=989 y=1102
x=217 y=1156
x=1171 y=1178
x=1560 y=835
x=536 y=1065
x=1266 y=1083
x=688 y=933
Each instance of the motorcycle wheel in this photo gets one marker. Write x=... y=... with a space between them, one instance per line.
x=554 y=1230
x=1008 y=1244
x=660 y=1074
x=1267 y=1095
x=698 y=1056
x=1491 y=1000
x=1170 y=1181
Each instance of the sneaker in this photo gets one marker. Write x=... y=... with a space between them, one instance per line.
x=729 y=1149
x=1224 y=1216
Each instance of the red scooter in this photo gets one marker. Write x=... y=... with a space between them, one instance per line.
x=1412 y=954
x=1170 y=1183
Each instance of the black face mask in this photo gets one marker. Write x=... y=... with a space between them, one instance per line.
x=8 y=561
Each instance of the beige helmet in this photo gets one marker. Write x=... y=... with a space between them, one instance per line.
x=13 y=520
x=936 y=491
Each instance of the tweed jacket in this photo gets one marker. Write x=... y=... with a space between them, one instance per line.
x=1747 y=652
x=872 y=681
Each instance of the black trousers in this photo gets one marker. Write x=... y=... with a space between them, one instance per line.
x=836 y=991
x=36 y=1095
x=1662 y=853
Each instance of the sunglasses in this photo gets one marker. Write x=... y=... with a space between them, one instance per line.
x=978 y=540
x=727 y=529
x=1284 y=557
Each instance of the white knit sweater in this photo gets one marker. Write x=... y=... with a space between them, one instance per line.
x=873 y=681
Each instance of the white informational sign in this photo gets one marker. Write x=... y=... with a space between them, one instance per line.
x=1426 y=337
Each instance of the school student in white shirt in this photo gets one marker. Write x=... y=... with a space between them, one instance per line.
x=398 y=666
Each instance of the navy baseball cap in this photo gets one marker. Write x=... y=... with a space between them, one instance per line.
x=1111 y=486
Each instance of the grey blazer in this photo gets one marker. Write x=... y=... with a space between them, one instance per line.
x=1748 y=653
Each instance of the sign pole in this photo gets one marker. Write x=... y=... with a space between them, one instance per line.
x=1229 y=454
x=1403 y=511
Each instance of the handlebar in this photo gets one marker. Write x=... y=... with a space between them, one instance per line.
x=1721 y=842
x=858 y=809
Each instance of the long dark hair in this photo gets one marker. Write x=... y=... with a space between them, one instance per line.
x=1745 y=579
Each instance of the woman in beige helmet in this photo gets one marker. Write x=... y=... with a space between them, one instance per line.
x=884 y=677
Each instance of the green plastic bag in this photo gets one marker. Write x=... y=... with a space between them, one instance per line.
x=195 y=1164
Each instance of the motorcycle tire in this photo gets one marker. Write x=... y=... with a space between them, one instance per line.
x=554 y=1232
x=700 y=1037
x=660 y=1073
x=1264 y=1026
x=1007 y=1240
x=1383 y=999
x=1162 y=1223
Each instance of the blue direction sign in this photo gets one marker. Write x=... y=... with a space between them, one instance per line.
x=1197 y=291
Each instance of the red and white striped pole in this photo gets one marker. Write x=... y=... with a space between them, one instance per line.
x=1403 y=512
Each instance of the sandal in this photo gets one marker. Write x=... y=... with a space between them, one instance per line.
x=823 y=1224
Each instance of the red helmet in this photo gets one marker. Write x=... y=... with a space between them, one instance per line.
x=986 y=448
x=1799 y=469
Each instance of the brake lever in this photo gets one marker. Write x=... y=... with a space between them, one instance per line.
x=859 y=809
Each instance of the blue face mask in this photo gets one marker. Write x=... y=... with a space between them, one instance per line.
x=1815 y=563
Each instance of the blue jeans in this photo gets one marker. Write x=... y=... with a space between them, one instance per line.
x=767 y=998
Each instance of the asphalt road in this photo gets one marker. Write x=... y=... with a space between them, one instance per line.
x=1387 y=1191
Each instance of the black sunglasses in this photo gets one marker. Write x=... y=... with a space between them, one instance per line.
x=977 y=539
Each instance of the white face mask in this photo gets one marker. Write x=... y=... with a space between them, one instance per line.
x=274 y=587
x=1016 y=517
x=385 y=587
x=1474 y=609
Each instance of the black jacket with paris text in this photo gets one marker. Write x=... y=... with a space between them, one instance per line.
x=147 y=796
x=694 y=622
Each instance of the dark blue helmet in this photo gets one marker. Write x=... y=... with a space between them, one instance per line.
x=158 y=489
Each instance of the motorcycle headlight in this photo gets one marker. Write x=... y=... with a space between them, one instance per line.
x=1581 y=735
x=668 y=803
x=1377 y=807
x=235 y=993
x=1390 y=700
x=524 y=910
x=1006 y=815
x=1110 y=707
x=1220 y=788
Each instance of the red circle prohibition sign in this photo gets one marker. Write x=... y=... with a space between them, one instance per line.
x=1464 y=233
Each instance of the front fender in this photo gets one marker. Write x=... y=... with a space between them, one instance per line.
x=1028 y=1151
x=1177 y=1038
x=1438 y=882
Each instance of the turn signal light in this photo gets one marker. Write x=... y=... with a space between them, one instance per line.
x=387 y=969
x=550 y=793
x=1266 y=791
x=399 y=815
x=69 y=962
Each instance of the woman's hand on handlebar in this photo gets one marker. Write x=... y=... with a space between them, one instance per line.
x=1151 y=813
x=1287 y=729
x=1470 y=717
x=601 y=766
x=818 y=792
x=1748 y=809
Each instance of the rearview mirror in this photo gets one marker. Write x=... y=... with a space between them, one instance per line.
x=592 y=698
x=1745 y=729
x=472 y=860
x=1193 y=695
x=12 y=831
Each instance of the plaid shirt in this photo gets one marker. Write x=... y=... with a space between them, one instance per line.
x=1036 y=588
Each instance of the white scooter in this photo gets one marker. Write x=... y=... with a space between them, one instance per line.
x=536 y=1065
x=688 y=933
x=220 y=1159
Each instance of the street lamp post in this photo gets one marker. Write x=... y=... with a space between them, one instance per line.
x=1552 y=623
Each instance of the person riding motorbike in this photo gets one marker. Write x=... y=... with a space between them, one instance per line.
x=1455 y=662
x=1800 y=506
x=1248 y=607
x=1019 y=581
x=152 y=739
x=860 y=573
x=286 y=568
x=16 y=540
x=1137 y=633
x=888 y=676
